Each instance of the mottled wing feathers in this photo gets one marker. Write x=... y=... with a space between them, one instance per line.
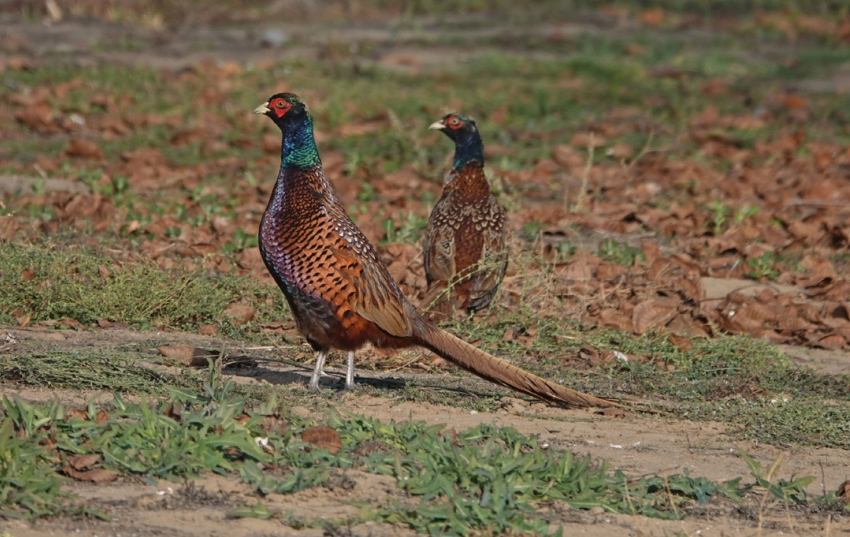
x=440 y=253
x=490 y=269
x=465 y=246
x=374 y=297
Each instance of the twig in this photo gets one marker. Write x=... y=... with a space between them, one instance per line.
x=585 y=178
x=402 y=366
x=644 y=150
x=670 y=496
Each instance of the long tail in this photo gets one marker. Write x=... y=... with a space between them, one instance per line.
x=497 y=370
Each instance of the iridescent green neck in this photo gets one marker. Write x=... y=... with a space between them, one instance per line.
x=299 y=147
x=470 y=149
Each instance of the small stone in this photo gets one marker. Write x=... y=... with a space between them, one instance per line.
x=273 y=37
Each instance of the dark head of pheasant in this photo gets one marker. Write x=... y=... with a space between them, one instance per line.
x=290 y=114
x=464 y=132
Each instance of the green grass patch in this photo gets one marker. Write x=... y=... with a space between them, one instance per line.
x=29 y=484
x=486 y=478
x=84 y=284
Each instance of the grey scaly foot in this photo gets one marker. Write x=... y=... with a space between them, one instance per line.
x=349 y=374
x=317 y=372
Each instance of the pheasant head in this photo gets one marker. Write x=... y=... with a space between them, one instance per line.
x=290 y=114
x=464 y=132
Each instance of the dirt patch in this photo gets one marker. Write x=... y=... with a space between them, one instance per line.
x=637 y=444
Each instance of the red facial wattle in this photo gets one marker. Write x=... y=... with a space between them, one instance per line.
x=280 y=107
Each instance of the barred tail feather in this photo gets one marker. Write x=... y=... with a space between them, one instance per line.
x=496 y=370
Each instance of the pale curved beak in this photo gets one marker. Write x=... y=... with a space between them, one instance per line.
x=262 y=109
x=437 y=126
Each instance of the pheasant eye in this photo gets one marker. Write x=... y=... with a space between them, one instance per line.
x=280 y=104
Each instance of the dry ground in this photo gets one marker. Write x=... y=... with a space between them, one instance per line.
x=637 y=443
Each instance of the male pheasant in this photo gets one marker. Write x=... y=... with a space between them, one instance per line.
x=339 y=292
x=465 y=252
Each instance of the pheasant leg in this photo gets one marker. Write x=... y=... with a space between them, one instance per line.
x=349 y=375
x=318 y=371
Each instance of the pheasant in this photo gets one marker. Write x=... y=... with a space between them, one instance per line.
x=340 y=293
x=465 y=252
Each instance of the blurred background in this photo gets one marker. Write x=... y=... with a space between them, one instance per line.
x=655 y=157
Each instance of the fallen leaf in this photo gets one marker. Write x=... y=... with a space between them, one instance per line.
x=97 y=475
x=76 y=413
x=24 y=320
x=322 y=436
x=39 y=117
x=653 y=313
x=833 y=341
x=181 y=352
x=239 y=313
x=82 y=462
x=174 y=411
x=83 y=148
x=653 y=16
x=187 y=354
x=682 y=342
x=208 y=329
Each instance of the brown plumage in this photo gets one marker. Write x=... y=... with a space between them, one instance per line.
x=340 y=294
x=465 y=251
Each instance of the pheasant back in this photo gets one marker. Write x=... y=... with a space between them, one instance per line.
x=465 y=239
x=329 y=272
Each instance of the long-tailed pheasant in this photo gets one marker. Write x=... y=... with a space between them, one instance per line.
x=465 y=251
x=340 y=293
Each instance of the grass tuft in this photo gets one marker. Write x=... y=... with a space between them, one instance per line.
x=85 y=285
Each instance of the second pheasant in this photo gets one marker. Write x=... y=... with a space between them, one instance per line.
x=465 y=251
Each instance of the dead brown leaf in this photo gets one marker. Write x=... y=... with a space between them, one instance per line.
x=83 y=462
x=208 y=329
x=188 y=355
x=83 y=148
x=682 y=342
x=96 y=475
x=322 y=436
x=239 y=313
x=653 y=313
x=39 y=117
x=76 y=413
x=24 y=320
